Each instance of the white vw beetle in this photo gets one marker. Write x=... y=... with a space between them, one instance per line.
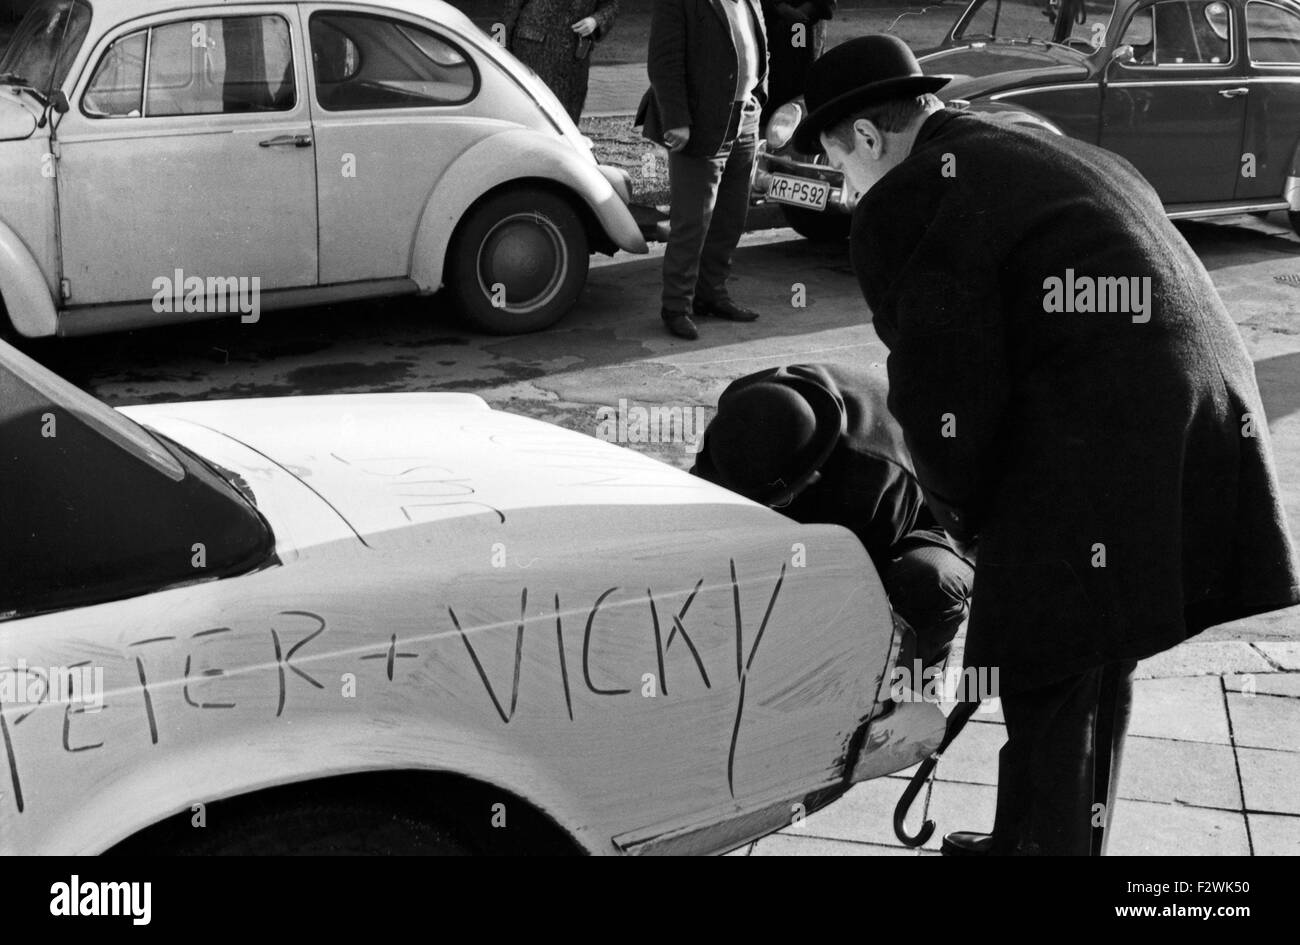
x=408 y=622
x=164 y=160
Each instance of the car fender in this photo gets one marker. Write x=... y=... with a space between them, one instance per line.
x=1007 y=113
x=23 y=288
x=516 y=154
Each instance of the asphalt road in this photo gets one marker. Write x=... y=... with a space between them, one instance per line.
x=611 y=348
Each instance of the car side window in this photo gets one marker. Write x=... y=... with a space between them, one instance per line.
x=116 y=89
x=225 y=65
x=1272 y=34
x=361 y=61
x=1179 y=33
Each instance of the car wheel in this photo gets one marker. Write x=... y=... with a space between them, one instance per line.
x=518 y=262
x=817 y=226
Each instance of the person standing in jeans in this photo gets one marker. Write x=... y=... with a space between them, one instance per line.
x=708 y=82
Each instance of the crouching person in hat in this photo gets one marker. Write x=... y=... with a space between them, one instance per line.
x=817 y=442
x=1110 y=451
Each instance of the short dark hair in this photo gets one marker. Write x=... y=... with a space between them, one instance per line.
x=892 y=116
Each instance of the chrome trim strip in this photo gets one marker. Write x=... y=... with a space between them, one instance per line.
x=1229 y=211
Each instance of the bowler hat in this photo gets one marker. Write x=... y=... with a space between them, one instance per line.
x=857 y=73
x=770 y=438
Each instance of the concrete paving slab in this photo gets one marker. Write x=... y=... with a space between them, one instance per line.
x=1275 y=834
x=1189 y=709
x=1285 y=655
x=1142 y=828
x=1269 y=779
x=782 y=844
x=864 y=814
x=1265 y=721
x=957 y=807
x=1204 y=659
x=1273 y=684
x=1181 y=772
x=973 y=757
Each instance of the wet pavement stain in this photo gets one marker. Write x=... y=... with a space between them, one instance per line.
x=330 y=378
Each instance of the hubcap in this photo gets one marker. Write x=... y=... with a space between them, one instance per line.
x=526 y=254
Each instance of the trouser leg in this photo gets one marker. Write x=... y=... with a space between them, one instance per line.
x=693 y=185
x=930 y=586
x=730 y=209
x=1046 y=772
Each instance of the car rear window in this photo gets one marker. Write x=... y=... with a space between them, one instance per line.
x=365 y=61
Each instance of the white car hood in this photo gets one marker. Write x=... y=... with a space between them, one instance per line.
x=387 y=462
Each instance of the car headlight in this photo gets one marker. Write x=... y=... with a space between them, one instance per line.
x=782 y=125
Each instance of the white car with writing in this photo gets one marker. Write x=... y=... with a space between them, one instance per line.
x=408 y=622
x=167 y=160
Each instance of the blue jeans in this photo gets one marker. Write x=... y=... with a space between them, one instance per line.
x=709 y=203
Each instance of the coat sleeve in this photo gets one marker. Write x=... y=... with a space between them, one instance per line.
x=605 y=15
x=938 y=308
x=666 y=62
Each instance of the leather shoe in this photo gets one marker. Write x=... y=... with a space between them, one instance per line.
x=966 y=843
x=680 y=324
x=725 y=309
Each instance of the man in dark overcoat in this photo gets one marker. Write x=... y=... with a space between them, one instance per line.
x=1074 y=394
x=818 y=443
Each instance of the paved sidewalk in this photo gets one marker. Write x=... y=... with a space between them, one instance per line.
x=1211 y=767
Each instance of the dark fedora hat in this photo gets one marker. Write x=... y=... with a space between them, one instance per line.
x=770 y=439
x=857 y=73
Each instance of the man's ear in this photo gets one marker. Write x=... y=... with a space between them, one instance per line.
x=869 y=137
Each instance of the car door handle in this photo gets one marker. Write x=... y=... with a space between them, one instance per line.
x=286 y=141
x=1234 y=93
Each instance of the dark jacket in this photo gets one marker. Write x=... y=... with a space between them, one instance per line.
x=867 y=484
x=1117 y=471
x=692 y=64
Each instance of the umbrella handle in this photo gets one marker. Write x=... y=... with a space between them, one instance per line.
x=956 y=722
x=905 y=804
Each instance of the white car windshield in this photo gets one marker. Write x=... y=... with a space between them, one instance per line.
x=1081 y=24
x=47 y=40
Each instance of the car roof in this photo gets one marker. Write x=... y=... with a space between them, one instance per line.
x=123 y=10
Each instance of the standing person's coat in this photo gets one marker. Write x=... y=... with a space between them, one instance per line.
x=692 y=65
x=1116 y=466
x=540 y=33
x=796 y=35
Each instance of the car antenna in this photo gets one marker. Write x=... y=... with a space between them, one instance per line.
x=54 y=68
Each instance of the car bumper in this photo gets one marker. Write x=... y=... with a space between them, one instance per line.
x=768 y=164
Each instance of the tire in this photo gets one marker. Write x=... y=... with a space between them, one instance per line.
x=528 y=240
x=818 y=226
x=1294 y=217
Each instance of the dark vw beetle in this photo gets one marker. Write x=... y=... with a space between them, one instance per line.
x=1203 y=96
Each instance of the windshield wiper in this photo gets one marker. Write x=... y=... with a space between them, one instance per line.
x=24 y=84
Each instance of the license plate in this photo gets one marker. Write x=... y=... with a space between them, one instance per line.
x=799 y=191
